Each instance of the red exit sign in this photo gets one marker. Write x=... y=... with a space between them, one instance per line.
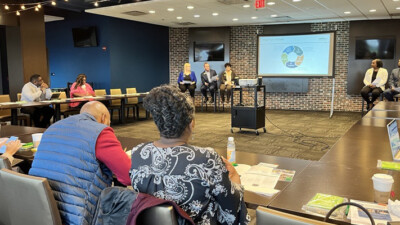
x=259 y=4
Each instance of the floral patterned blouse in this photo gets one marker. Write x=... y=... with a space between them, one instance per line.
x=193 y=177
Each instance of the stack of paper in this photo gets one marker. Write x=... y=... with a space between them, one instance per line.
x=380 y=213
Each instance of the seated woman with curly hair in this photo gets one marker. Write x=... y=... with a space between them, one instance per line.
x=202 y=183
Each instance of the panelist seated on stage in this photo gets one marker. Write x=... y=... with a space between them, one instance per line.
x=80 y=89
x=205 y=185
x=78 y=155
x=209 y=80
x=187 y=80
x=394 y=84
x=374 y=80
x=34 y=91
x=228 y=80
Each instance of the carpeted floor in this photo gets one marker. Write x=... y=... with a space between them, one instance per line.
x=295 y=134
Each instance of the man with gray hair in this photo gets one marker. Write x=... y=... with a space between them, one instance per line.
x=209 y=80
x=78 y=155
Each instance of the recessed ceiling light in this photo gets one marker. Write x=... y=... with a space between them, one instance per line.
x=190 y=7
x=347 y=12
x=170 y=9
x=274 y=15
x=215 y=14
x=196 y=16
x=270 y=3
x=372 y=10
x=398 y=8
x=254 y=17
x=296 y=0
x=179 y=17
x=396 y=0
x=152 y=11
x=246 y=6
x=235 y=19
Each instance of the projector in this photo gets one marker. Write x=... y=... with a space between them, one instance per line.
x=248 y=82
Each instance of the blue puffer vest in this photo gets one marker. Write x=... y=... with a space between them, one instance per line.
x=66 y=157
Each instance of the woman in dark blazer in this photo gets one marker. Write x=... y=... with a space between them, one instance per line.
x=228 y=80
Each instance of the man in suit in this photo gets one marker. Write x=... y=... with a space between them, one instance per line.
x=394 y=84
x=209 y=80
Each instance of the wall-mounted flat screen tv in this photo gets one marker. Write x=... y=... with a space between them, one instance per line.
x=204 y=52
x=375 y=48
x=84 y=36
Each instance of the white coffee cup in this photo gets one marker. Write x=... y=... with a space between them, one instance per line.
x=36 y=139
x=382 y=187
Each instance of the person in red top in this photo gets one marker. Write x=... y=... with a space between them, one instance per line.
x=80 y=89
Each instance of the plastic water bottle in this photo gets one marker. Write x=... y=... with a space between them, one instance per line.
x=231 y=154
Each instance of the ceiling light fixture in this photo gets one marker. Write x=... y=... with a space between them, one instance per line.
x=215 y=14
x=53 y=3
x=274 y=15
x=36 y=8
x=23 y=7
x=96 y=4
x=396 y=0
x=296 y=0
x=235 y=19
x=179 y=17
x=190 y=7
x=152 y=11
x=347 y=12
x=398 y=8
x=18 y=13
x=6 y=7
x=170 y=9
x=196 y=16
x=254 y=17
x=39 y=6
x=270 y=3
x=246 y=6
x=372 y=10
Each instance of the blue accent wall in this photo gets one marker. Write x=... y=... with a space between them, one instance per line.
x=136 y=54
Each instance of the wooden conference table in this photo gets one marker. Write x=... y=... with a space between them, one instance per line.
x=253 y=199
x=14 y=106
x=346 y=169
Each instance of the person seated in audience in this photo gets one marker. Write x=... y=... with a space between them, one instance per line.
x=209 y=79
x=79 y=155
x=34 y=91
x=228 y=80
x=187 y=80
x=205 y=185
x=11 y=148
x=80 y=89
x=374 y=80
x=394 y=84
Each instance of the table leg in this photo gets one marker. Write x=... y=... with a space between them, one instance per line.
x=122 y=111
x=14 y=116
x=58 y=112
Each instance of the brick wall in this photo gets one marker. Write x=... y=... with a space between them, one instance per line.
x=243 y=57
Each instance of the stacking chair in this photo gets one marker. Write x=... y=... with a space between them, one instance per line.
x=4 y=163
x=65 y=110
x=370 y=94
x=100 y=92
x=116 y=104
x=5 y=115
x=29 y=199
x=162 y=214
x=266 y=216
x=132 y=103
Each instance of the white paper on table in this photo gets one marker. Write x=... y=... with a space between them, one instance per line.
x=258 y=179
x=262 y=191
x=380 y=213
x=242 y=168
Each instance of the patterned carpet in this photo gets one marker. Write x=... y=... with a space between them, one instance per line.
x=295 y=134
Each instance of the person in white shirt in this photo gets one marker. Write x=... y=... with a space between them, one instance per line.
x=34 y=91
x=374 y=80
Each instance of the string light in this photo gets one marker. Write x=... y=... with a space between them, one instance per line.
x=53 y=3
x=23 y=7
x=39 y=6
x=36 y=9
x=18 y=13
x=6 y=7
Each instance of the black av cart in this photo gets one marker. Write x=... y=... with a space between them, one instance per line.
x=248 y=113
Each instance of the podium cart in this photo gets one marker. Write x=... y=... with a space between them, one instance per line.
x=249 y=114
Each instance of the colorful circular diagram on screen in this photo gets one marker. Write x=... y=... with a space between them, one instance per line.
x=292 y=50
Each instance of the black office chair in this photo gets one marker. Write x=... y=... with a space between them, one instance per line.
x=29 y=200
